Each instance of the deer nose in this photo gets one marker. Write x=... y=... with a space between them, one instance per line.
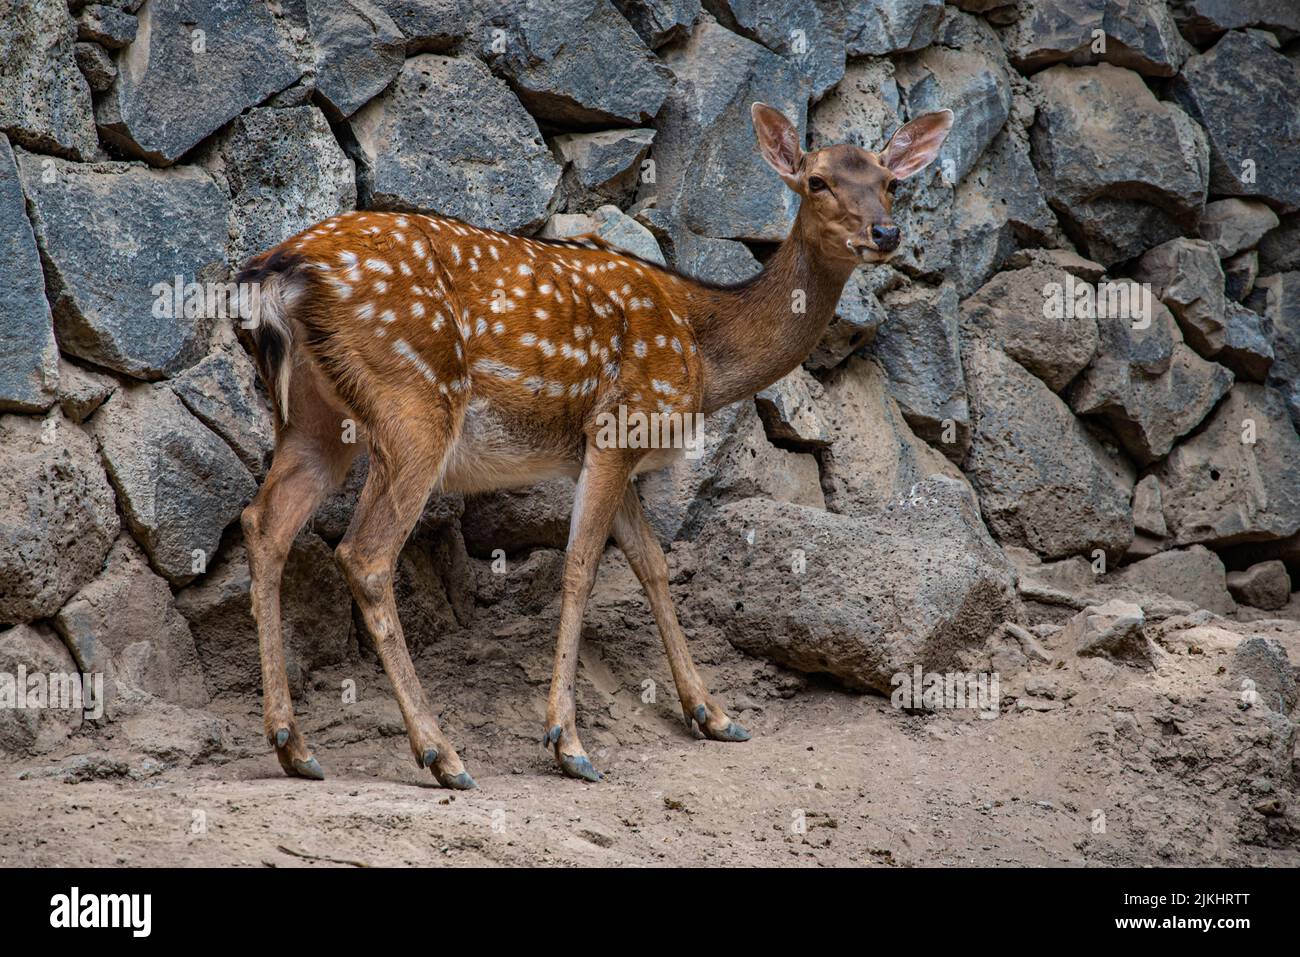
x=885 y=238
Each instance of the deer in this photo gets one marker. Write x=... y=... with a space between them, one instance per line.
x=468 y=359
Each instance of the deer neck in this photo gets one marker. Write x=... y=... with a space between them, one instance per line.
x=753 y=334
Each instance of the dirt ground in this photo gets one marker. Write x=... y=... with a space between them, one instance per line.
x=1089 y=763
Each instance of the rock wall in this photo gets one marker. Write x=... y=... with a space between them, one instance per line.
x=969 y=445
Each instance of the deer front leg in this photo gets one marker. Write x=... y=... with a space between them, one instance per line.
x=637 y=540
x=604 y=476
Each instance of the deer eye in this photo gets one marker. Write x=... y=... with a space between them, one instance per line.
x=817 y=184
x=892 y=187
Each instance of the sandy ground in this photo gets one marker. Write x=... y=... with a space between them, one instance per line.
x=832 y=778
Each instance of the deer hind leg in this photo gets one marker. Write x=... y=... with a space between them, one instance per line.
x=403 y=471
x=637 y=540
x=310 y=460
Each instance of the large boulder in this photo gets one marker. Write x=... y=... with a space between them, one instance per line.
x=315 y=611
x=809 y=32
x=195 y=66
x=873 y=458
x=124 y=626
x=1231 y=225
x=1186 y=276
x=861 y=598
x=863 y=109
x=358 y=51
x=1247 y=344
x=574 y=63
x=660 y=21
x=44 y=99
x=417 y=153
x=1235 y=480
x=1194 y=575
x=1202 y=21
x=284 y=171
x=705 y=145
x=179 y=485
x=919 y=350
x=878 y=27
x=1123 y=170
x=221 y=391
x=114 y=237
x=40 y=713
x=1263 y=585
x=1138 y=34
x=58 y=517
x=602 y=167
x=1045 y=483
x=1010 y=311
x=612 y=225
x=1147 y=385
x=29 y=356
x=1234 y=91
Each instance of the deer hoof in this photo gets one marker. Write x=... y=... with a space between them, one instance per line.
x=579 y=766
x=282 y=737
x=308 y=769
x=732 y=732
x=456 y=782
x=553 y=736
x=430 y=758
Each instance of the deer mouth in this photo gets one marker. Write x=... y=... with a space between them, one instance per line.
x=869 y=252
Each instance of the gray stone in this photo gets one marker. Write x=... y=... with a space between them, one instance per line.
x=95 y=65
x=877 y=27
x=29 y=356
x=713 y=260
x=1063 y=259
x=856 y=597
x=919 y=350
x=1010 y=310
x=874 y=458
x=284 y=171
x=1230 y=90
x=1194 y=575
x=1204 y=20
x=359 y=51
x=1186 y=276
x=574 y=62
x=430 y=26
x=517 y=520
x=1148 y=513
x=1137 y=34
x=168 y=96
x=1220 y=490
x=972 y=82
x=790 y=414
x=1264 y=663
x=996 y=208
x=601 y=168
x=82 y=391
x=415 y=153
x=44 y=100
x=57 y=515
x=1239 y=275
x=857 y=318
x=1114 y=630
x=1231 y=225
x=1148 y=407
x=806 y=31
x=315 y=611
x=660 y=21
x=179 y=485
x=612 y=225
x=1281 y=305
x=221 y=391
x=1263 y=585
x=1045 y=483
x=1247 y=344
x=34 y=650
x=106 y=25
x=863 y=109
x=1279 y=250
x=111 y=288
x=1123 y=170
x=706 y=145
x=124 y=625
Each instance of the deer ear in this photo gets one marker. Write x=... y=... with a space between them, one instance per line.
x=778 y=141
x=915 y=144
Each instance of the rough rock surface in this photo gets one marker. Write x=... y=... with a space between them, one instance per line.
x=1138 y=34
x=1192 y=574
x=1263 y=585
x=1185 y=275
x=1231 y=225
x=57 y=515
x=178 y=484
x=37 y=727
x=111 y=289
x=359 y=50
x=785 y=582
x=467 y=174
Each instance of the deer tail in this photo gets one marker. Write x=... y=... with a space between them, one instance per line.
x=279 y=285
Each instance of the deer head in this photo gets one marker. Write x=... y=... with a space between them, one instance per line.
x=848 y=192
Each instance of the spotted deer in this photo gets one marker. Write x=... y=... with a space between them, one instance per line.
x=470 y=359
